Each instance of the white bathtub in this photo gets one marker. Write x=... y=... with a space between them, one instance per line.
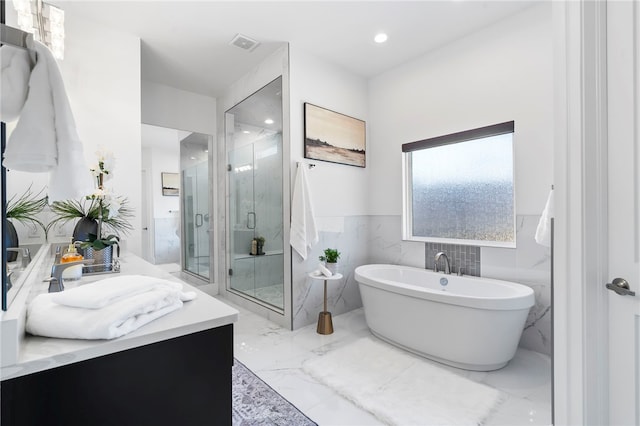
x=472 y=323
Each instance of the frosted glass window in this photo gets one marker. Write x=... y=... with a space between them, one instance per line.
x=461 y=190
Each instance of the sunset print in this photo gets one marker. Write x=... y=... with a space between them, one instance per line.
x=333 y=137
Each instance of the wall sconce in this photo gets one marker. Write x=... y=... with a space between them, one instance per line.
x=44 y=21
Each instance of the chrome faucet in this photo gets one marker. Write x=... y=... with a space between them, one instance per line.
x=447 y=265
x=56 y=283
x=25 y=255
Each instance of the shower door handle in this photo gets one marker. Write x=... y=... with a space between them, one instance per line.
x=251 y=224
x=199 y=216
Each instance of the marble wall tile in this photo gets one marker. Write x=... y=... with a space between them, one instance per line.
x=167 y=240
x=529 y=264
x=343 y=295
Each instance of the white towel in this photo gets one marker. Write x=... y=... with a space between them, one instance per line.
x=15 y=70
x=304 y=233
x=122 y=313
x=324 y=271
x=45 y=138
x=111 y=290
x=543 y=232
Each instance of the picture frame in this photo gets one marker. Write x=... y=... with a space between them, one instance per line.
x=333 y=137
x=170 y=184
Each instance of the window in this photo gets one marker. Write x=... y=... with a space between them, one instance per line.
x=459 y=188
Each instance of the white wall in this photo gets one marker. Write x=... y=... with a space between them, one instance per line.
x=337 y=190
x=101 y=72
x=502 y=73
x=166 y=106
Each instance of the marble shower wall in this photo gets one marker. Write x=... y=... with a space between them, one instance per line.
x=167 y=239
x=349 y=236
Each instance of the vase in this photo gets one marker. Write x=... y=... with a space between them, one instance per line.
x=332 y=266
x=102 y=259
x=11 y=240
x=84 y=227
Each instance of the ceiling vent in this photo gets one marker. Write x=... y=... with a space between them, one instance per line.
x=244 y=42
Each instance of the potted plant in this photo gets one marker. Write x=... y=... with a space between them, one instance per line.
x=330 y=259
x=259 y=245
x=87 y=213
x=24 y=209
x=98 y=212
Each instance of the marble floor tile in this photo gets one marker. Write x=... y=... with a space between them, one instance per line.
x=276 y=355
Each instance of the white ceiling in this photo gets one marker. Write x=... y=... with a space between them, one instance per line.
x=185 y=44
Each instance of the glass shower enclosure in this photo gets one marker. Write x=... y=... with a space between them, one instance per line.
x=255 y=212
x=196 y=225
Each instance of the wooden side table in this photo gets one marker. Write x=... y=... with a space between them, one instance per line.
x=325 y=324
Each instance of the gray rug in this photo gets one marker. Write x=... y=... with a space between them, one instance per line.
x=256 y=403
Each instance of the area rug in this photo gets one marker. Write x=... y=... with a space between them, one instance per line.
x=256 y=404
x=400 y=388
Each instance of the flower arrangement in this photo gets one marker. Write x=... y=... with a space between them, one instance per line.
x=110 y=212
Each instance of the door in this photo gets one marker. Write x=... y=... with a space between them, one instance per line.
x=195 y=200
x=623 y=74
x=147 y=242
x=255 y=210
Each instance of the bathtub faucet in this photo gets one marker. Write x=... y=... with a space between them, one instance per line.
x=447 y=266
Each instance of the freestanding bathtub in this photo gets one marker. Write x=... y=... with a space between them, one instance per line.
x=467 y=322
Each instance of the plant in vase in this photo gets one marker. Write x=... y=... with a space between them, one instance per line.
x=330 y=259
x=24 y=209
x=259 y=245
x=98 y=212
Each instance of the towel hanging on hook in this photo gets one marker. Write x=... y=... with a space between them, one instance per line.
x=310 y=165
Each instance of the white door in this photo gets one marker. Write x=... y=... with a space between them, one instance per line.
x=623 y=74
x=147 y=248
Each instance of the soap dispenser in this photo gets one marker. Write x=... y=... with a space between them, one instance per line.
x=72 y=255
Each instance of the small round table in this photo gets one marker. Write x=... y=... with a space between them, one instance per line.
x=325 y=325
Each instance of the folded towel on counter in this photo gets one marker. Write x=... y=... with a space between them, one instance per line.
x=111 y=290
x=304 y=233
x=16 y=68
x=45 y=138
x=120 y=312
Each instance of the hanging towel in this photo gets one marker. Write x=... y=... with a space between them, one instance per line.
x=105 y=309
x=303 y=225
x=45 y=138
x=543 y=232
x=15 y=70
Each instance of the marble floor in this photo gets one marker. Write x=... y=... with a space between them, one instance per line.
x=272 y=294
x=276 y=355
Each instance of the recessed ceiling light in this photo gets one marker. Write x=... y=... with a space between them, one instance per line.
x=268 y=121
x=193 y=158
x=246 y=132
x=380 y=38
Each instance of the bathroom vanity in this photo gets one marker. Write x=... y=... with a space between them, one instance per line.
x=174 y=370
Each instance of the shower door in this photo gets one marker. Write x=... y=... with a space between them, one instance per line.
x=196 y=226
x=255 y=210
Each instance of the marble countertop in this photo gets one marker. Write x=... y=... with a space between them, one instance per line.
x=41 y=353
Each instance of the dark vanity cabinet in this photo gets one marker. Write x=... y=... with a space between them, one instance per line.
x=180 y=381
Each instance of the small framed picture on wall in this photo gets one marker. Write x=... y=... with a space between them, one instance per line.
x=170 y=184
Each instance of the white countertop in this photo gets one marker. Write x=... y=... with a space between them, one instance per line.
x=42 y=353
